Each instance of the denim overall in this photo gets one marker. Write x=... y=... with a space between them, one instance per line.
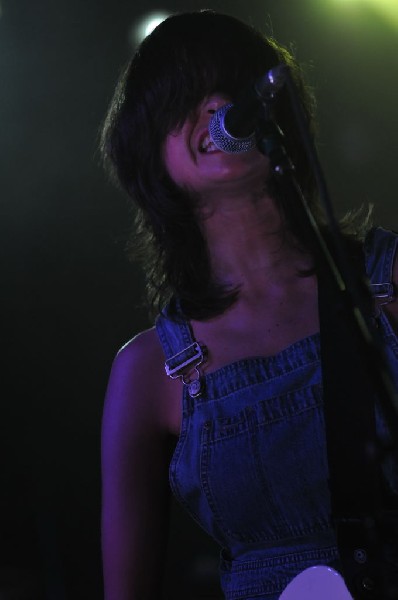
x=250 y=465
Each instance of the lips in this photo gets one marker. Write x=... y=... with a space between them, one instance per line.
x=205 y=144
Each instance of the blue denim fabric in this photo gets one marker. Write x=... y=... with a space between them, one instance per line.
x=250 y=465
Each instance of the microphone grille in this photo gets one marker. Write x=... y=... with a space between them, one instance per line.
x=223 y=140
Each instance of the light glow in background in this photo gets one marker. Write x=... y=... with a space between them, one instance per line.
x=387 y=9
x=145 y=25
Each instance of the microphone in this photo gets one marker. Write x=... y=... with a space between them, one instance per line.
x=232 y=127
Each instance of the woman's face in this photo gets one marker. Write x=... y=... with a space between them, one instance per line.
x=195 y=164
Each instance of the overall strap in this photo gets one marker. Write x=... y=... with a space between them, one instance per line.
x=174 y=333
x=183 y=353
x=380 y=248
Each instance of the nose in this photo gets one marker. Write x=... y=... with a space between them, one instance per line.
x=215 y=102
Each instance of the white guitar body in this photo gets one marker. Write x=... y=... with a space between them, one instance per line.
x=317 y=583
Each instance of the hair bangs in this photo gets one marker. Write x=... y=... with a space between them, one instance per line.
x=190 y=56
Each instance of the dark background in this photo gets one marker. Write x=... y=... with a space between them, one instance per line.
x=70 y=298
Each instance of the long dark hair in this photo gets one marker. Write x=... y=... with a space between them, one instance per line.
x=186 y=58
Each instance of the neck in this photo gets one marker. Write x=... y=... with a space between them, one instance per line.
x=248 y=242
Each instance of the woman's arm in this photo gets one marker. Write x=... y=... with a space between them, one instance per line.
x=135 y=461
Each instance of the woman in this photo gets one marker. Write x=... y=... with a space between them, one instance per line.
x=234 y=280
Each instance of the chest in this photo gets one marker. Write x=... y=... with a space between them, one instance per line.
x=264 y=331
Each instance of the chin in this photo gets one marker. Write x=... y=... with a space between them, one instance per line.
x=243 y=174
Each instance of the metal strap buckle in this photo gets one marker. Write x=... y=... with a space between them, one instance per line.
x=183 y=363
x=191 y=357
x=382 y=291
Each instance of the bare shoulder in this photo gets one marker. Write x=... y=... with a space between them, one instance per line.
x=143 y=352
x=138 y=388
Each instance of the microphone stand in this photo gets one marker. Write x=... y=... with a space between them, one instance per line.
x=359 y=521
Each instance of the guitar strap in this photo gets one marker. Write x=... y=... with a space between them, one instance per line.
x=349 y=408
